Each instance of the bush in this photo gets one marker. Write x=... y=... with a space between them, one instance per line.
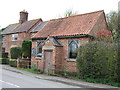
x=26 y=48
x=13 y=62
x=4 y=58
x=98 y=60
x=15 y=52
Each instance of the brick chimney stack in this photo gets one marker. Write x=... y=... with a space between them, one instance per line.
x=23 y=16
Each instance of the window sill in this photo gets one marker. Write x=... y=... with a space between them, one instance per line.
x=71 y=60
x=38 y=58
x=14 y=40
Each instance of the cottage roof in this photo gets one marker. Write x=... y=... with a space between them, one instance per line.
x=26 y=26
x=39 y=26
x=73 y=25
x=10 y=28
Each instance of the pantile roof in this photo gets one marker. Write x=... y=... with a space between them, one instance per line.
x=73 y=25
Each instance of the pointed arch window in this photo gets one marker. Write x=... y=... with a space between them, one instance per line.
x=73 y=48
x=39 y=48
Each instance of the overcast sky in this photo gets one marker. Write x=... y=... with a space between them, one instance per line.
x=50 y=9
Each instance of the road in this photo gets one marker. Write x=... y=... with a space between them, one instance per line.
x=16 y=80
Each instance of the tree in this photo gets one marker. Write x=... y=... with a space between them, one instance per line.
x=26 y=48
x=112 y=21
x=68 y=13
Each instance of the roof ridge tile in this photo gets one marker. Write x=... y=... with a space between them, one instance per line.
x=78 y=15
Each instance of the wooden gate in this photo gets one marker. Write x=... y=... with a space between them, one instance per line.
x=48 y=56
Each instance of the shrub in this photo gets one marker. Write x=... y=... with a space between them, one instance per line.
x=26 y=48
x=4 y=58
x=98 y=60
x=15 y=52
x=13 y=62
x=34 y=69
x=104 y=35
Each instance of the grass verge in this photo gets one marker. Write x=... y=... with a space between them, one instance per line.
x=30 y=70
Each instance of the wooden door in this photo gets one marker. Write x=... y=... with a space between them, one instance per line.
x=48 y=55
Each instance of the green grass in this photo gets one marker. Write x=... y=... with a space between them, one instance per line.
x=30 y=70
x=99 y=81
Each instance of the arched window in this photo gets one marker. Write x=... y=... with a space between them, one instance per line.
x=39 y=49
x=73 y=48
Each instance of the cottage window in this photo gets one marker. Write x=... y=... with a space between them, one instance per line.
x=4 y=38
x=39 y=49
x=14 y=37
x=73 y=48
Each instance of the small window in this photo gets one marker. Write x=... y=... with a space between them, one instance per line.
x=39 y=49
x=4 y=38
x=14 y=37
x=73 y=48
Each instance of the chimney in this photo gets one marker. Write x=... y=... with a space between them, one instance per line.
x=23 y=16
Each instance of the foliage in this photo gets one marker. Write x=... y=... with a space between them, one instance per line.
x=98 y=60
x=2 y=29
x=112 y=21
x=68 y=13
x=4 y=58
x=13 y=62
x=4 y=55
x=26 y=48
x=33 y=69
x=103 y=81
x=104 y=35
x=15 y=52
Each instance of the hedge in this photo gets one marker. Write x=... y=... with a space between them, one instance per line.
x=98 y=60
x=15 y=52
x=13 y=62
x=4 y=59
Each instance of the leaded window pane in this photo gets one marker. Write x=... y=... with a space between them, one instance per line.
x=39 y=49
x=73 y=48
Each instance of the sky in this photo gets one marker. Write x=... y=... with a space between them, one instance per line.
x=50 y=9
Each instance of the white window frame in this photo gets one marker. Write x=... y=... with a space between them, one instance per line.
x=4 y=38
x=14 y=37
x=39 y=45
x=72 y=59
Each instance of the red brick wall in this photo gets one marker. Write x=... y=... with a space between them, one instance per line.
x=9 y=43
x=60 y=55
x=69 y=65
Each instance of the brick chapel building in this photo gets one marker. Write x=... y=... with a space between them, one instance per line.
x=55 y=46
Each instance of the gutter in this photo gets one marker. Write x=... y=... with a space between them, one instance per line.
x=71 y=36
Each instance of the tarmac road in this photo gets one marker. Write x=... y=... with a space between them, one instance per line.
x=16 y=80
